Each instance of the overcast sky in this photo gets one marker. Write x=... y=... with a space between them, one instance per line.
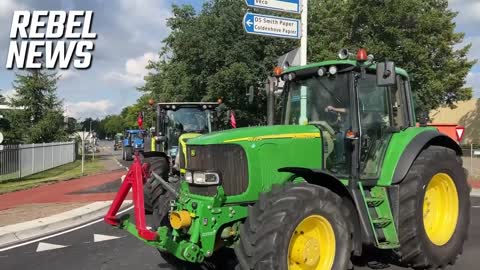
x=129 y=34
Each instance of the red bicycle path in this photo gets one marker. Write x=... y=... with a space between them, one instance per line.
x=62 y=191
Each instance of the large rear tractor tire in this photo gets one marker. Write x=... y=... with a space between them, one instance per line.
x=434 y=210
x=296 y=227
x=152 y=188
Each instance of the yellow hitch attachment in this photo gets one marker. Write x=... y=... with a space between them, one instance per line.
x=180 y=219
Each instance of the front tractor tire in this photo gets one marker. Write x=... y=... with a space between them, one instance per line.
x=434 y=210
x=296 y=227
x=153 y=189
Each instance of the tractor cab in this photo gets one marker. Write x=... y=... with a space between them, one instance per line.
x=357 y=104
x=179 y=121
x=134 y=140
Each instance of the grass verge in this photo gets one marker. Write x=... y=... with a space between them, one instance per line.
x=61 y=173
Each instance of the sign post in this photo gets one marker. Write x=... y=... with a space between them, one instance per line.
x=284 y=28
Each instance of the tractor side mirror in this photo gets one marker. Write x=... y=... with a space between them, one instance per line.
x=386 y=75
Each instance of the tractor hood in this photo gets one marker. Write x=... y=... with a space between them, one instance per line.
x=257 y=134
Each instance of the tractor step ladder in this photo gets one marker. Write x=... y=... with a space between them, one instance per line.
x=381 y=218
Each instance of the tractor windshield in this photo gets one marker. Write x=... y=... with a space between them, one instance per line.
x=327 y=102
x=327 y=105
x=185 y=120
x=138 y=136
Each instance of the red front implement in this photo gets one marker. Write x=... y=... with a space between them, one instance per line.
x=136 y=177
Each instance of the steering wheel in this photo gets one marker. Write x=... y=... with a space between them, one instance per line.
x=328 y=135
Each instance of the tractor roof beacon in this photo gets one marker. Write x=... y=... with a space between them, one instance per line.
x=347 y=168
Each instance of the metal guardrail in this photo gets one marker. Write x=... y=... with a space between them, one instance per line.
x=18 y=161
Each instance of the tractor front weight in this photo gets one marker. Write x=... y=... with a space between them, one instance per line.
x=198 y=224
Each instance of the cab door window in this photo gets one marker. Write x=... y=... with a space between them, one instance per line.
x=377 y=119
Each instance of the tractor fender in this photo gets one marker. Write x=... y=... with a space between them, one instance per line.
x=362 y=229
x=417 y=145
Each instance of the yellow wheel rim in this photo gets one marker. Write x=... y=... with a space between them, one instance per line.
x=312 y=245
x=440 y=209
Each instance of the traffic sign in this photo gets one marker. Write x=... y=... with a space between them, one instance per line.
x=271 y=26
x=460 y=131
x=292 y=6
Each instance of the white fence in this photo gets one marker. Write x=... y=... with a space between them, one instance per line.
x=18 y=161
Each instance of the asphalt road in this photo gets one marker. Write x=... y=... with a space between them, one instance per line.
x=118 y=250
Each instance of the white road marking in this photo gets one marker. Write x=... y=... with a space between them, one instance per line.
x=60 y=233
x=103 y=237
x=47 y=246
x=477 y=206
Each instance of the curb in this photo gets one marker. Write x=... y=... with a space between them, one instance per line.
x=16 y=233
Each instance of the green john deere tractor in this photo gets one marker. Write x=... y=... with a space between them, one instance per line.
x=176 y=123
x=347 y=169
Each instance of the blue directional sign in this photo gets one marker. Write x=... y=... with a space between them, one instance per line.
x=271 y=26
x=292 y=6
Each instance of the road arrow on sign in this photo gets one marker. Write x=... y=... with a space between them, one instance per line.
x=292 y=6
x=271 y=26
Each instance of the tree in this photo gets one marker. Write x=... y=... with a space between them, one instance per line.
x=39 y=117
x=3 y=100
x=419 y=35
x=208 y=55
x=113 y=124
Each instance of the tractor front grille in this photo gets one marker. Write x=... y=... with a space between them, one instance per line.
x=229 y=160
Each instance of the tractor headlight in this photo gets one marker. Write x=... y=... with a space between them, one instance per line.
x=202 y=178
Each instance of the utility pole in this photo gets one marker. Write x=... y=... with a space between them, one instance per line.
x=303 y=61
